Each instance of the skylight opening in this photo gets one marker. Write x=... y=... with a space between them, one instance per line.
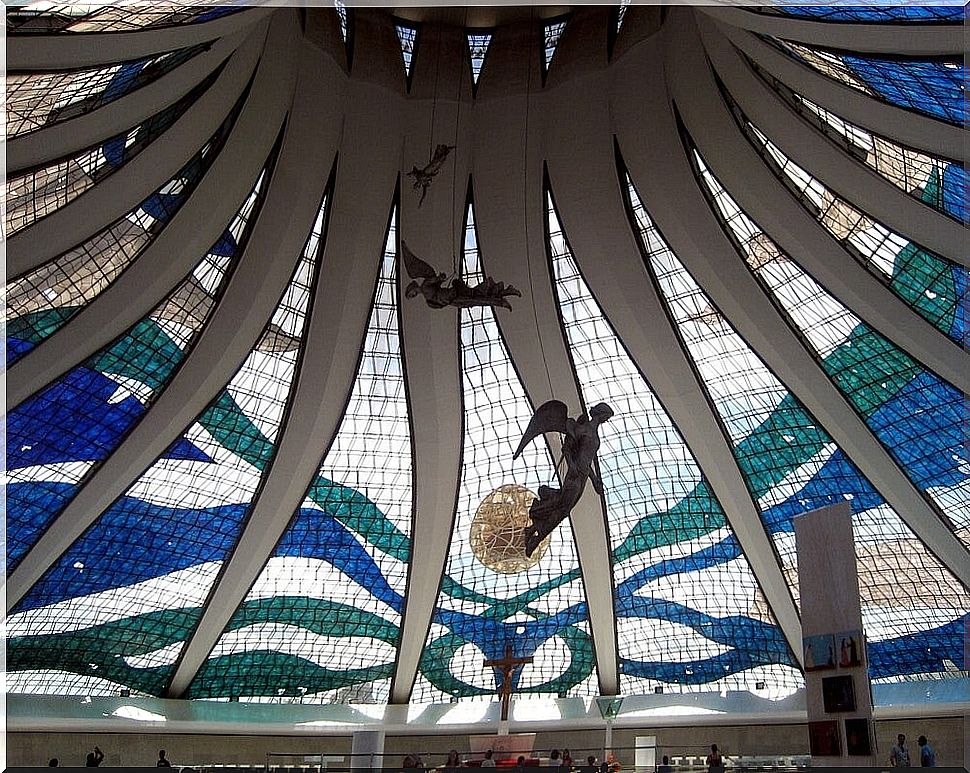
x=552 y=32
x=478 y=43
x=341 y=7
x=408 y=36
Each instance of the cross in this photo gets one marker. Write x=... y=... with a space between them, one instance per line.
x=508 y=665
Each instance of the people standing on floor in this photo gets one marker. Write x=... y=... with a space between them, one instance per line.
x=520 y=763
x=554 y=760
x=899 y=755
x=488 y=762
x=664 y=766
x=714 y=760
x=453 y=761
x=567 y=760
x=94 y=758
x=162 y=760
x=54 y=762
x=590 y=766
x=927 y=757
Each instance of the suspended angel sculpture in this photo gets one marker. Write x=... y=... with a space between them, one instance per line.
x=438 y=292
x=424 y=177
x=579 y=447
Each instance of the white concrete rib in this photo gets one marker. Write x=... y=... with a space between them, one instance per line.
x=122 y=191
x=223 y=344
x=511 y=219
x=430 y=337
x=906 y=38
x=712 y=260
x=334 y=332
x=895 y=123
x=66 y=138
x=585 y=181
x=871 y=192
x=71 y=51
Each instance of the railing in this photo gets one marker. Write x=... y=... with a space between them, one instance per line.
x=682 y=759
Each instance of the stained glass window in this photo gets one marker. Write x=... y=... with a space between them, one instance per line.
x=323 y=619
x=552 y=31
x=57 y=438
x=342 y=14
x=37 y=193
x=129 y=592
x=918 y=13
x=537 y=606
x=478 y=43
x=671 y=543
x=792 y=466
x=35 y=100
x=934 y=287
x=932 y=87
x=42 y=301
x=935 y=181
x=408 y=35
x=47 y=17
x=915 y=414
x=621 y=13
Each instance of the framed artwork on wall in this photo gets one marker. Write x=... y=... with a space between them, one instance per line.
x=857 y=740
x=823 y=738
x=819 y=652
x=848 y=648
x=838 y=694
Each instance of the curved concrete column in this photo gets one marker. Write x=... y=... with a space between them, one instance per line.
x=511 y=219
x=247 y=304
x=770 y=203
x=903 y=126
x=812 y=150
x=712 y=260
x=72 y=51
x=432 y=352
x=75 y=135
x=588 y=191
x=908 y=39
x=98 y=207
x=336 y=327
x=189 y=235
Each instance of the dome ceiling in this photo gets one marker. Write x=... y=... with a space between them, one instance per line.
x=243 y=463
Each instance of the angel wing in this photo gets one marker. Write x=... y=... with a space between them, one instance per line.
x=416 y=268
x=549 y=417
x=440 y=154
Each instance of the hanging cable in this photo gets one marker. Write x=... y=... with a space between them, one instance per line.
x=454 y=165
x=525 y=198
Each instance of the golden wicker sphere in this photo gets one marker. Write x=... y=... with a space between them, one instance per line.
x=499 y=527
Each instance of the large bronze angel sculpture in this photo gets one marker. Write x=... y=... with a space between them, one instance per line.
x=438 y=292
x=425 y=176
x=579 y=446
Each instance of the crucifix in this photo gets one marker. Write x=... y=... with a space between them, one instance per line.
x=508 y=666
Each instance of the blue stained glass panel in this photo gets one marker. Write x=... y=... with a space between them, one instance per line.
x=921 y=14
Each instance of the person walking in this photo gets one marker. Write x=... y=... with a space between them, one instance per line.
x=927 y=757
x=899 y=755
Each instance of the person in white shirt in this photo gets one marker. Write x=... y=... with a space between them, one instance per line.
x=899 y=756
x=488 y=762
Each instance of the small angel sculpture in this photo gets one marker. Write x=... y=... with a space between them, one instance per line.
x=579 y=447
x=438 y=292
x=423 y=177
